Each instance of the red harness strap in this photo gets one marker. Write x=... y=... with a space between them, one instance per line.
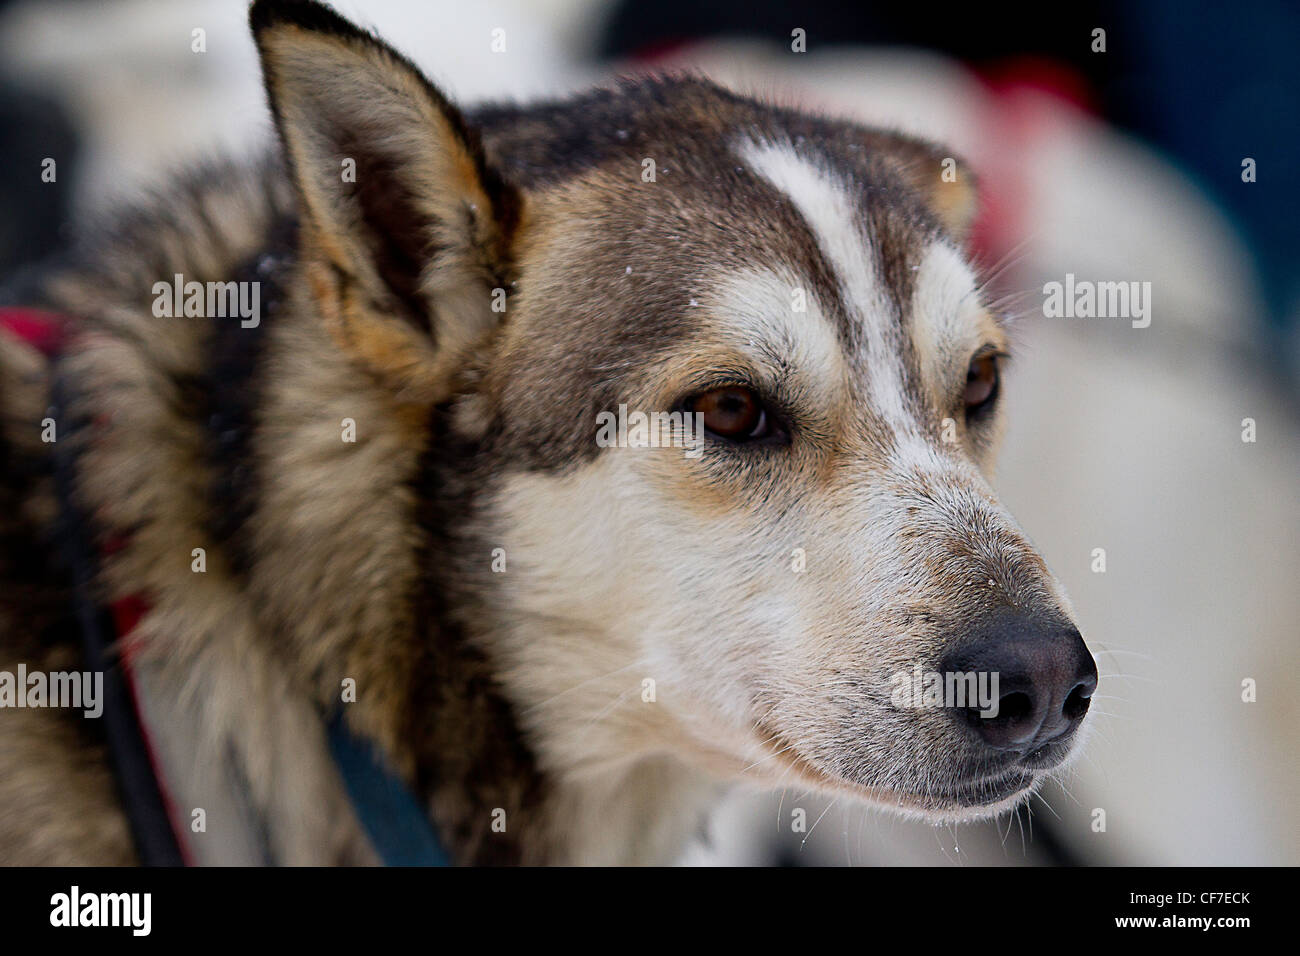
x=41 y=330
x=126 y=614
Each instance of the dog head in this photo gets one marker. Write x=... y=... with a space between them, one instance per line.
x=768 y=578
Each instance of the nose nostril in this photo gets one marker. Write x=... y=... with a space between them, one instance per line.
x=1013 y=708
x=1016 y=706
x=1078 y=702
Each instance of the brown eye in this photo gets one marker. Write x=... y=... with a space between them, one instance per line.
x=981 y=383
x=733 y=412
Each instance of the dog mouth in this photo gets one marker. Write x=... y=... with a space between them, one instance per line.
x=987 y=792
x=994 y=786
x=1049 y=755
x=969 y=793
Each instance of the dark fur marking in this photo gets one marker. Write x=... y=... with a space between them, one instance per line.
x=231 y=393
x=470 y=745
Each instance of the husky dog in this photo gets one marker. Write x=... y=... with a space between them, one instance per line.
x=372 y=492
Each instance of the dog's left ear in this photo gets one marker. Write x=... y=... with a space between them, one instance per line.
x=406 y=231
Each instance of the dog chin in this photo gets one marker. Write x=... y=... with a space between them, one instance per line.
x=963 y=801
x=977 y=801
x=963 y=798
x=991 y=796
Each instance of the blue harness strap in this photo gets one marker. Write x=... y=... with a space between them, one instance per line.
x=398 y=827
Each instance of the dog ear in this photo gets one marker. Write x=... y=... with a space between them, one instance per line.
x=405 y=229
x=945 y=182
x=954 y=197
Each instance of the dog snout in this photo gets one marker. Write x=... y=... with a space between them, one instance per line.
x=1045 y=680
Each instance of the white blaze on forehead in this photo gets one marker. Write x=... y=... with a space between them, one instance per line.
x=944 y=325
x=945 y=311
x=827 y=204
x=759 y=304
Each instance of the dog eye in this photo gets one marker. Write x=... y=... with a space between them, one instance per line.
x=732 y=412
x=982 y=380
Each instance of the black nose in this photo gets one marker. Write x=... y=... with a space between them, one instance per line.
x=1046 y=678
